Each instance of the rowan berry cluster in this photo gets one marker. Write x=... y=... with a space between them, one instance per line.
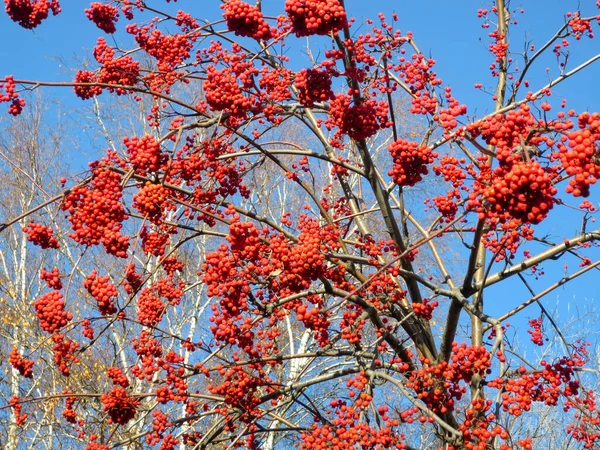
x=410 y=162
x=160 y=423
x=440 y=385
x=169 y=289
x=30 y=13
x=95 y=446
x=150 y=308
x=239 y=390
x=121 y=71
x=144 y=153
x=133 y=280
x=359 y=120
x=88 y=331
x=505 y=241
x=22 y=365
x=150 y=201
x=96 y=213
x=149 y=350
x=346 y=432
x=546 y=385
x=316 y=16
x=52 y=278
x=103 y=291
x=197 y=163
x=103 y=15
x=275 y=85
x=170 y=51
x=50 y=310
x=587 y=420
x=223 y=93
x=119 y=406
x=154 y=242
x=579 y=27
x=416 y=72
x=41 y=235
x=525 y=192
x=64 y=353
x=69 y=412
x=16 y=104
x=171 y=265
x=314 y=86
x=425 y=309
x=447 y=117
x=86 y=92
x=578 y=152
x=117 y=376
x=498 y=48
x=246 y=20
x=537 y=336
x=17 y=408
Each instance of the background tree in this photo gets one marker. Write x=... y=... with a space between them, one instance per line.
x=266 y=261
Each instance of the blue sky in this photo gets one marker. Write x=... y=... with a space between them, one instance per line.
x=448 y=31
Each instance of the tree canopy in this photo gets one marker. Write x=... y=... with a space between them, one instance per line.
x=297 y=236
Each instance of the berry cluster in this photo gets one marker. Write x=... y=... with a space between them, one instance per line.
x=103 y=15
x=275 y=85
x=316 y=16
x=314 y=86
x=150 y=201
x=50 y=309
x=88 y=331
x=537 y=335
x=154 y=242
x=103 y=291
x=95 y=446
x=117 y=376
x=246 y=20
x=239 y=390
x=345 y=432
x=585 y=428
x=64 y=353
x=41 y=235
x=30 y=13
x=122 y=71
x=22 y=365
x=144 y=153
x=359 y=120
x=16 y=104
x=579 y=27
x=425 y=309
x=69 y=412
x=160 y=423
x=133 y=280
x=52 y=279
x=86 y=92
x=524 y=192
x=410 y=162
x=440 y=385
x=96 y=213
x=150 y=308
x=149 y=350
x=17 y=407
x=546 y=385
x=578 y=152
x=223 y=93
x=119 y=406
x=505 y=240
x=170 y=51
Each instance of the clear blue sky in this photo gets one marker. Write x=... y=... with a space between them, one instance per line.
x=449 y=31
